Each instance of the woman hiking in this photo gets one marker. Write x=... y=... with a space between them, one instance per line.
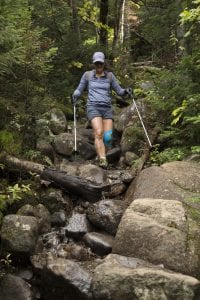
x=99 y=83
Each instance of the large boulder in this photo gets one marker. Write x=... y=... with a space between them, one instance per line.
x=19 y=234
x=160 y=231
x=63 y=279
x=64 y=144
x=176 y=180
x=40 y=212
x=13 y=287
x=120 y=277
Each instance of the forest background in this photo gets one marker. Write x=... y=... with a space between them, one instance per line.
x=45 y=46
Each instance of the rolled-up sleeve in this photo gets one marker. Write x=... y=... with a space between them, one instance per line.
x=82 y=86
x=116 y=86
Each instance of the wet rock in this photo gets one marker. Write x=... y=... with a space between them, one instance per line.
x=113 y=155
x=106 y=214
x=78 y=225
x=66 y=280
x=125 y=278
x=19 y=234
x=99 y=243
x=51 y=240
x=119 y=176
x=117 y=187
x=13 y=287
x=86 y=150
x=58 y=218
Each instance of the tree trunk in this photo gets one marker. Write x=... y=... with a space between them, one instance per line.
x=73 y=184
x=75 y=23
x=117 y=14
x=103 y=18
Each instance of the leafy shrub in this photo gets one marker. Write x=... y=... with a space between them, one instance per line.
x=12 y=194
x=167 y=155
x=10 y=142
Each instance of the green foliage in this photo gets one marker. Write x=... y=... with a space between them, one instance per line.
x=6 y=260
x=191 y=17
x=12 y=194
x=195 y=149
x=37 y=156
x=175 y=101
x=10 y=142
x=169 y=154
x=162 y=37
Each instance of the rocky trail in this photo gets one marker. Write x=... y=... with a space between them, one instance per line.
x=74 y=239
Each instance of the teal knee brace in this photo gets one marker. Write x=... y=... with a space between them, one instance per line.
x=107 y=138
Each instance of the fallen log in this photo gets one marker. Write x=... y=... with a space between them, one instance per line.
x=74 y=184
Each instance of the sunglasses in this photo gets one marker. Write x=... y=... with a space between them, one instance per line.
x=98 y=63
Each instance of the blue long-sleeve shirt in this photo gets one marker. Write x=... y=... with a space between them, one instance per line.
x=99 y=88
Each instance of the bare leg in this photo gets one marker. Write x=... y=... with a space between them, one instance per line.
x=97 y=125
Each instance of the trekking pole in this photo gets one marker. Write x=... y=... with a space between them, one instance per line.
x=75 y=139
x=139 y=115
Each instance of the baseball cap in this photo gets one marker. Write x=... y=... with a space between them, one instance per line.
x=98 y=56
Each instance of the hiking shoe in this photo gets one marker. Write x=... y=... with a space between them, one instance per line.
x=103 y=163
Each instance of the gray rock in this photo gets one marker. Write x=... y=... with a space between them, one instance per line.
x=92 y=173
x=54 y=200
x=65 y=279
x=45 y=148
x=13 y=287
x=26 y=210
x=58 y=218
x=19 y=234
x=125 y=117
x=44 y=218
x=40 y=212
x=64 y=144
x=130 y=157
x=78 y=225
x=58 y=122
x=106 y=214
x=157 y=231
x=124 y=278
x=185 y=174
x=117 y=187
x=174 y=180
x=99 y=243
x=113 y=155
